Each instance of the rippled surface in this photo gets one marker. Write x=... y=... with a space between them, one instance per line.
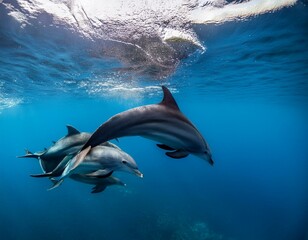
x=74 y=47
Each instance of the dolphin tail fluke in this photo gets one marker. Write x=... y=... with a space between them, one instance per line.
x=49 y=174
x=30 y=155
x=56 y=183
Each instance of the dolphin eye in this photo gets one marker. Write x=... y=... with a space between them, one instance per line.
x=124 y=162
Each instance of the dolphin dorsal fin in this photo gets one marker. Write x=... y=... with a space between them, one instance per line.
x=168 y=99
x=71 y=130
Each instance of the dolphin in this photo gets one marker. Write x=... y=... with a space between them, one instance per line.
x=162 y=122
x=58 y=170
x=100 y=161
x=68 y=145
x=100 y=183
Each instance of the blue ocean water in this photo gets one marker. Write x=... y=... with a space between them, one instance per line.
x=242 y=80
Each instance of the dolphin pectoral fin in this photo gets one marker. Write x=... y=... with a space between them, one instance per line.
x=165 y=147
x=80 y=157
x=98 y=188
x=102 y=173
x=56 y=183
x=177 y=154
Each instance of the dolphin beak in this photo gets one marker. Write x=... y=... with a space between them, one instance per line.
x=138 y=173
x=206 y=156
x=211 y=161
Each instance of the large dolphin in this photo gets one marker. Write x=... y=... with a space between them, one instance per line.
x=163 y=123
x=100 y=183
x=100 y=161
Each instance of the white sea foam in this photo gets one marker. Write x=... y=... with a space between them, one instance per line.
x=228 y=12
x=140 y=33
x=130 y=21
x=90 y=14
x=160 y=31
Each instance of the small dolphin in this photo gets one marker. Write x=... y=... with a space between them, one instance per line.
x=100 y=183
x=69 y=144
x=100 y=161
x=162 y=123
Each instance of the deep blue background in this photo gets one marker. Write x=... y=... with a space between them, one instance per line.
x=257 y=188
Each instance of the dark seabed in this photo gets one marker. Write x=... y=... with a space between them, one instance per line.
x=239 y=72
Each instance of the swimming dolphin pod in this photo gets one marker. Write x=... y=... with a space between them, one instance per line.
x=91 y=159
x=59 y=162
